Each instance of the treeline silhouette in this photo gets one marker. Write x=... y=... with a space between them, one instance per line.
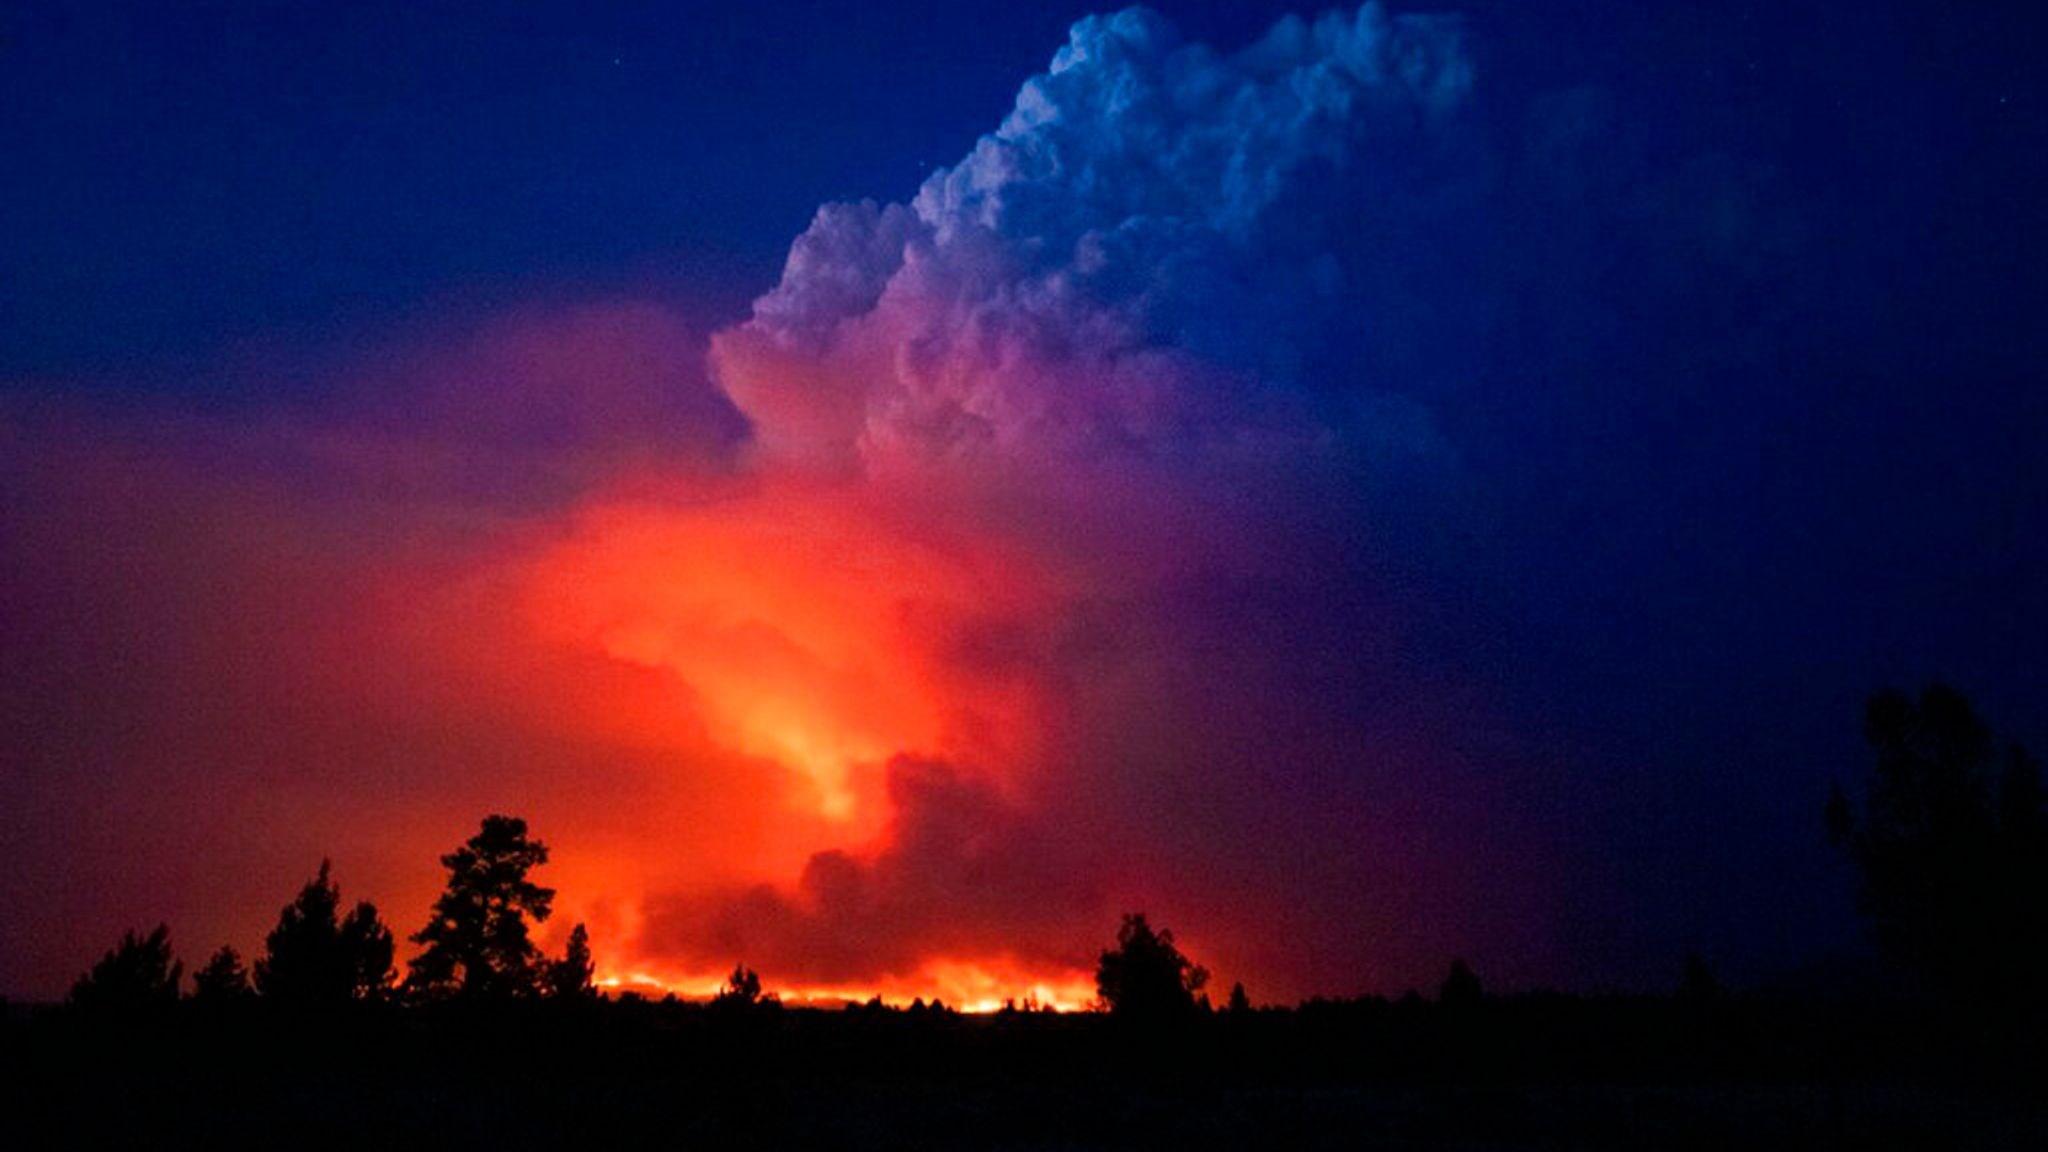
x=1951 y=844
x=476 y=946
x=486 y=1041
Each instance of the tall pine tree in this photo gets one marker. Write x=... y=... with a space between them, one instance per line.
x=478 y=941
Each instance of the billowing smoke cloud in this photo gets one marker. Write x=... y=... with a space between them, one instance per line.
x=1145 y=258
x=960 y=873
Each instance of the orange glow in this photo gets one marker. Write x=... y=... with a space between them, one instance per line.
x=690 y=679
x=773 y=647
x=984 y=984
x=783 y=619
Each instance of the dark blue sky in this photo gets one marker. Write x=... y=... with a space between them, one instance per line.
x=1731 y=314
x=184 y=176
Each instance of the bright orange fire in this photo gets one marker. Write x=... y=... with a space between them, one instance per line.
x=792 y=627
x=985 y=984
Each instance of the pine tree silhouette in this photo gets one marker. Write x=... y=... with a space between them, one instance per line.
x=478 y=942
x=138 y=975
x=223 y=981
x=315 y=956
x=569 y=977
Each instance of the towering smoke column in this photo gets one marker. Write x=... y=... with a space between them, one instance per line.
x=1072 y=453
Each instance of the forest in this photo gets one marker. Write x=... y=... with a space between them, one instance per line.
x=487 y=1042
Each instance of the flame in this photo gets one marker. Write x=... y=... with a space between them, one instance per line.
x=979 y=985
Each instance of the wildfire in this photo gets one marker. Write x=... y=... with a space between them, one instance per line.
x=975 y=986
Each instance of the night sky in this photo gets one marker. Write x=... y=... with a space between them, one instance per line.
x=885 y=487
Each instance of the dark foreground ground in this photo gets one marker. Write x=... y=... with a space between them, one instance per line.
x=1526 y=1074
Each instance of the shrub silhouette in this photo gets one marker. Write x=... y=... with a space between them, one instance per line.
x=1145 y=977
x=1951 y=845
x=1461 y=988
x=742 y=989
x=477 y=942
x=317 y=957
x=137 y=975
